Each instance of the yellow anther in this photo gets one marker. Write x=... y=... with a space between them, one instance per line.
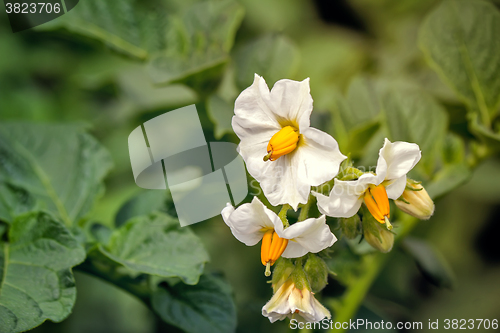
x=283 y=142
x=272 y=248
x=377 y=202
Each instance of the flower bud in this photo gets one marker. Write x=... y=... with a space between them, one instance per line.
x=376 y=235
x=299 y=278
x=284 y=267
x=415 y=201
x=316 y=272
x=350 y=226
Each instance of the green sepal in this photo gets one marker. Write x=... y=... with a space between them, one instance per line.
x=282 y=270
x=299 y=278
x=317 y=272
x=350 y=226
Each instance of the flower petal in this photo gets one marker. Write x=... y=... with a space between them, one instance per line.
x=346 y=196
x=307 y=306
x=291 y=101
x=253 y=153
x=311 y=235
x=396 y=188
x=280 y=183
x=255 y=124
x=400 y=157
x=338 y=205
x=300 y=300
x=251 y=109
x=249 y=222
x=318 y=157
x=278 y=306
x=320 y=312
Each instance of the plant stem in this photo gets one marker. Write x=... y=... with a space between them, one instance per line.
x=139 y=286
x=282 y=215
x=355 y=294
x=135 y=286
x=372 y=264
x=350 y=173
x=305 y=209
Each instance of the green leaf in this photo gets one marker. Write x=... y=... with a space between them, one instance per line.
x=131 y=27
x=413 y=116
x=220 y=106
x=331 y=58
x=221 y=113
x=355 y=118
x=485 y=134
x=156 y=244
x=198 y=41
x=360 y=136
x=97 y=232
x=454 y=170
x=345 y=264
x=453 y=149
x=205 y=307
x=58 y=168
x=137 y=87
x=3 y=229
x=14 y=201
x=461 y=40
x=430 y=262
x=363 y=101
x=272 y=56
x=36 y=282
x=339 y=125
x=448 y=178
x=176 y=40
x=146 y=202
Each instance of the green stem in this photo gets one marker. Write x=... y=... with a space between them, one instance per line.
x=140 y=289
x=478 y=153
x=355 y=294
x=138 y=286
x=304 y=211
x=347 y=173
x=358 y=288
x=350 y=173
x=282 y=215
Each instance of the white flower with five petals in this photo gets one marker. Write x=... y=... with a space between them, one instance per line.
x=281 y=151
x=395 y=160
x=253 y=221
x=290 y=300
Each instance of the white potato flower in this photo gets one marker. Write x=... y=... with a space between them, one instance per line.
x=253 y=221
x=289 y=301
x=395 y=160
x=281 y=151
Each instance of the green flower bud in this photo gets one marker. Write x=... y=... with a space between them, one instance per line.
x=316 y=272
x=376 y=235
x=415 y=201
x=350 y=226
x=299 y=278
x=282 y=270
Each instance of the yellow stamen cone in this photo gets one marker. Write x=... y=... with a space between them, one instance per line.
x=266 y=246
x=272 y=248
x=377 y=202
x=283 y=142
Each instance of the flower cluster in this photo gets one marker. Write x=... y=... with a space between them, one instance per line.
x=287 y=157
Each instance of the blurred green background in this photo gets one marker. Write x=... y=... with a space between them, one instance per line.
x=55 y=73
